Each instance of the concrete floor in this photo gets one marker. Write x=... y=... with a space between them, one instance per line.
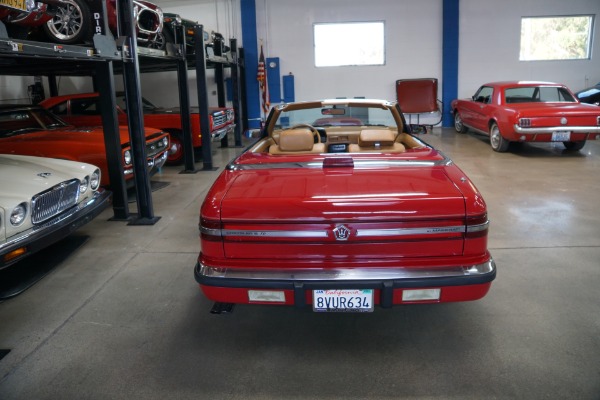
x=122 y=317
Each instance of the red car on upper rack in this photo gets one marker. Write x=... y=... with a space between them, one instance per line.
x=527 y=112
x=342 y=217
x=20 y=15
x=73 y=22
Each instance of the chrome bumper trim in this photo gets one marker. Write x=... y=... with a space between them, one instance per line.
x=221 y=133
x=347 y=274
x=551 y=129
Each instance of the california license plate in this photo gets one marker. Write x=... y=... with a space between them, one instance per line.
x=561 y=136
x=16 y=4
x=343 y=300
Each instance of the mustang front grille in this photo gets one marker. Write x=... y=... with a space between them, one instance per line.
x=54 y=201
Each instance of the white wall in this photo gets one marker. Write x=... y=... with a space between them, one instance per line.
x=490 y=34
x=413 y=44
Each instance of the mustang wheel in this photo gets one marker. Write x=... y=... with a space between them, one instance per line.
x=498 y=143
x=458 y=124
x=574 y=145
x=71 y=24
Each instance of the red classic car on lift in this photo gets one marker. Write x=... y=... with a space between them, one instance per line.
x=34 y=131
x=83 y=109
x=72 y=21
x=342 y=217
x=21 y=15
x=527 y=112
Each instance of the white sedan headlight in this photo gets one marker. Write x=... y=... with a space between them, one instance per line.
x=83 y=185
x=18 y=214
x=95 y=180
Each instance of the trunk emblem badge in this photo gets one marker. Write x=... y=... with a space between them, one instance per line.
x=341 y=232
x=563 y=121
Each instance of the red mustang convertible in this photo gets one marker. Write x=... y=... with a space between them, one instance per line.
x=342 y=217
x=527 y=112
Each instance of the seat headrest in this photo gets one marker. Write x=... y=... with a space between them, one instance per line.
x=296 y=140
x=376 y=138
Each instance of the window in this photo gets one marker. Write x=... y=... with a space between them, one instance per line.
x=556 y=38
x=484 y=95
x=533 y=94
x=351 y=43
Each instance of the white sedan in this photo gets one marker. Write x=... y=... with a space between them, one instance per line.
x=42 y=200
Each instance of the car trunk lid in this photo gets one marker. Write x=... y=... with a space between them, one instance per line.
x=316 y=213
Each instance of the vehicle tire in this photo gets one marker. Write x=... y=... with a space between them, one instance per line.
x=72 y=23
x=574 y=145
x=498 y=143
x=175 y=156
x=458 y=124
x=161 y=40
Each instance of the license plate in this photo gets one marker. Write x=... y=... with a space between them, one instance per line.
x=15 y=4
x=561 y=136
x=343 y=300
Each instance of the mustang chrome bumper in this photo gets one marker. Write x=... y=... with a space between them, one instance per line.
x=551 y=129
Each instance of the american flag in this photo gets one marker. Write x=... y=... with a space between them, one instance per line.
x=261 y=76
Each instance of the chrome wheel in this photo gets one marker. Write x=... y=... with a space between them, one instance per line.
x=70 y=24
x=497 y=142
x=458 y=124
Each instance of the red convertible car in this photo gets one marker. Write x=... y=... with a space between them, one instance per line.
x=527 y=112
x=342 y=218
x=34 y=131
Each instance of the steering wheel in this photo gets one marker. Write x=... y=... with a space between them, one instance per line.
x=312 y=129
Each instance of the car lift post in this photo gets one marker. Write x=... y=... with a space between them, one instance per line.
x=135 y=116
x=200 y=54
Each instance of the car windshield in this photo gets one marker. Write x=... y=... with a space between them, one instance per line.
x=23 y=120
x=338 y=115
x=538 y=94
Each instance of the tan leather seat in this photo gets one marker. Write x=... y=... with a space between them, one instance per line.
x=297 y=141
x=377 y=141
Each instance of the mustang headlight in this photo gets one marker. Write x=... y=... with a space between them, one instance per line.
x=18 y=214
x=83 y=184
x=165 y=142
x=127 y=157
x=95 y=180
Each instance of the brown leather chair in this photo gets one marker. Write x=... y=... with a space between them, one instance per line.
x=297 y=141
x=377 y=141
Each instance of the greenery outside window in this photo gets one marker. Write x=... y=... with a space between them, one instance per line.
x=349 y=43
x=556 y=38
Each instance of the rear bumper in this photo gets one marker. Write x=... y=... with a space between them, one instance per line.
x=458 y=283
x=550 y=129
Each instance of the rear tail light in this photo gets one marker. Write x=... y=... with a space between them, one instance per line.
x=477 y=226
x=210 y=229
x=524 y=122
